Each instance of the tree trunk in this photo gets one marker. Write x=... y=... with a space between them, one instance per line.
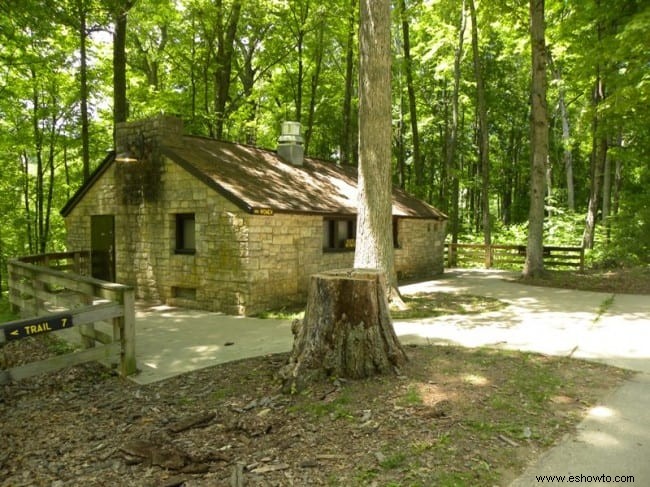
x=26 y=199
x=347 y=133
x=452 y=163
x=347 y=331
x=224 y=59
x=83 y=90
x=408 y=67
x=120 y=108
x=607 y=194
x=598 y=155
x=618 y=179
x=374 y=241
x=566 y=143
x=483 y=137
x=534 y=265
x=315 y=84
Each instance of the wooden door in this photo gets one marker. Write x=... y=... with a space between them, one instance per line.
x=102 y=247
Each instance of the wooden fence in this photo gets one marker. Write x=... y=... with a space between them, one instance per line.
x=511 y=256
x=52 y=291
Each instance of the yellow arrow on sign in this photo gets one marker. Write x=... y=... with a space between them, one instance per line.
x=14 y=333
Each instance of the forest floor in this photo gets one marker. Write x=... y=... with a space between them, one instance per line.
x=451 y=417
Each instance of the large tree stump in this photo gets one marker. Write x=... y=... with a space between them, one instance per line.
x=347 y=330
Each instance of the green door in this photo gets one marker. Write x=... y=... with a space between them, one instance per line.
x=102 y=247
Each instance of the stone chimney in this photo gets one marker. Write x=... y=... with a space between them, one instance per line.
x=290 y=146
x=131 y=137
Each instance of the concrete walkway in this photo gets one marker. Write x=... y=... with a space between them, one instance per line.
x=614 y=329
x=613 y=442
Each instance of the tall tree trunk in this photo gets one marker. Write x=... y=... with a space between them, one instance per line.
x=534 y=265
x=300 y=19
x=347 y=131
x=26 y=201
x=50 y=188
x=374 y=243
x=607 y=194
x=408 y=68
x=120 y=106
x=452 y=164
x=39 y=226
x=224 y=68
x=483 y=137
x=567 y=155
x=83 y=90
x=618 y=179
x=315 y=82
x=347 y=330
x=598 y=156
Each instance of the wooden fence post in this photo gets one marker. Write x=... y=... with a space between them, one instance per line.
x=128 y=364
x=488 y=256
x=11 y=284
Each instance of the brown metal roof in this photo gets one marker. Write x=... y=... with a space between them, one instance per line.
x=256 y=178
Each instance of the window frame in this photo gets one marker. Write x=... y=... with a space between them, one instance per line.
x=181 y=239
x=334 y=234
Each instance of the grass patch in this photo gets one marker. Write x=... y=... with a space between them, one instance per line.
x=427 y=305
x=288 y=313
x=420 y=305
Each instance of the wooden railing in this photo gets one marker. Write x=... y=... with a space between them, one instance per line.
x=76 y=262
x=512 y=256
x=53 y=283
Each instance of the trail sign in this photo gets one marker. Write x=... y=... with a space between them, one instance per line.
x=15 y=330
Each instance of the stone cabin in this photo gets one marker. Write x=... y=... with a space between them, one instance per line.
x=196 y=222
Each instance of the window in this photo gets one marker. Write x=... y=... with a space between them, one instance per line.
x=188 y=293
x=396 y=244
x=185 y=233
x=339 y=234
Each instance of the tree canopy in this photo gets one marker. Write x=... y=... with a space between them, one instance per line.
x=235 y=69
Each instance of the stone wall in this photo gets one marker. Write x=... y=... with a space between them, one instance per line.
x=421 y=247
x=145 y=237
x=286 y=249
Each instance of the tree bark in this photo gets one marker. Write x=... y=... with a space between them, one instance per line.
x=374 y=242
x=607 y=193
x=408 y=67
x=566 y=142
x=534 y=265
x=347 y=132
x=83 y=90
x=598 y=155
x=120 y=9
x=223 y=59
x=347 y=330
x=452 y=163
x=483 y=137
x=315 y=85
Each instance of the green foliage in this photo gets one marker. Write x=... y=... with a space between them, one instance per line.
x=5 y=311
x=289 y=62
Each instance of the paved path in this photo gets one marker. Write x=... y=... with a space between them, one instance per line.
x=615 y=329
x=614 y=439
